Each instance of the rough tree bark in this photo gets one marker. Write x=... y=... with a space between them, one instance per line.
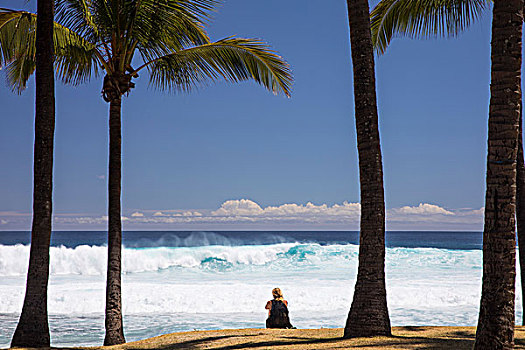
x=114 y=87
x=114 y=324
x=496 y=317
x=368 y=314
x=520 y=209
x=33 y=329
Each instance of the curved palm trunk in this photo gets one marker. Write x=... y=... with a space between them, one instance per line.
x=114 y=324
x=368 y=314
x=496 y=317
x=33 y=328
x=520 y=210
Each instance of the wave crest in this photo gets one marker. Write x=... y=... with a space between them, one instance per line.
x=91 y=260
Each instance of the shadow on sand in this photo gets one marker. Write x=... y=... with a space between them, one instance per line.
x=448 y=338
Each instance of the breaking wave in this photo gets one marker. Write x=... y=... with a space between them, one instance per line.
x=91 y=260
x=187 y=287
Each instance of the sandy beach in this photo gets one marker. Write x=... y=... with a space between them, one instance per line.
x=453 y=338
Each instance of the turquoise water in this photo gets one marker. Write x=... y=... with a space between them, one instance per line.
x=213 y=280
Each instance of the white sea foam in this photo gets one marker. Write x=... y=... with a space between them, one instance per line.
x=91 y=260
x=227 y=286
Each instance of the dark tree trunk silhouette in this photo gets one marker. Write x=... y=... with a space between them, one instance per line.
x=496 y=316
x=114 y=324
x=368 y=314
x=114 y=88
x=33 y=327
x=520 y=209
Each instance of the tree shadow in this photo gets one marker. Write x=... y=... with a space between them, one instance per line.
x=453 y=340
x=189 y=344
x=296 y=341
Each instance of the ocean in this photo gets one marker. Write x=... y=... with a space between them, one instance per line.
x=183 y=281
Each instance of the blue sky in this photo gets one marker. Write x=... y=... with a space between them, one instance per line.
x=192 y=153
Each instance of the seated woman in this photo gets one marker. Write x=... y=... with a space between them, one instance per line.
x=277 y=311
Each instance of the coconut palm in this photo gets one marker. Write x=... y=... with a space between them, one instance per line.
x=505 y=150
x=393 y=17
x=33 y=328
x=496 y=317
x=122 y=38
x=368 y=314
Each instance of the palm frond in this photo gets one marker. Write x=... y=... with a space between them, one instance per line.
x=16 y=32
x=159 y=27
x=75 y=64
x=17 y=46
x=75 y=58
x=164 y=19
x=19 y=72
x=233 y=59
x=7 y=14
x=76 y=15
x=105 y=18
x=422 y=18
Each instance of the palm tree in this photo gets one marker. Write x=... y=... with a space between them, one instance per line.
x=33 y=328
x=420 y=18
x=165 y=38
x=368 y=314
x=505 y=150
x=496 y=317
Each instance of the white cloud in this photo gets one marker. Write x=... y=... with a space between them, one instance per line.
x=244 y=208
x=479 y=212
x=101 y=177
x=81 y=220
x=434 y=217
x=422 y=209
x=188 y=213
x=238 y=207
x=246 y=214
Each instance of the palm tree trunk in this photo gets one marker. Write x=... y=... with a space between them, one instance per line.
x=520 y=211
x=496 y=316
x=33 y=328
x=368 y=314
x=114 y=324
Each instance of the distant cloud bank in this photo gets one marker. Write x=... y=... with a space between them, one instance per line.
x=246 y=214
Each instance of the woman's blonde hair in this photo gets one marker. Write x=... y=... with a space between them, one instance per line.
x=277 y=294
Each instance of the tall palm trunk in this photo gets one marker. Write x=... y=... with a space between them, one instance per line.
x=33 y=328
x=368 y=314
x=520 y=210
x=114 y=324
x=496 y=317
